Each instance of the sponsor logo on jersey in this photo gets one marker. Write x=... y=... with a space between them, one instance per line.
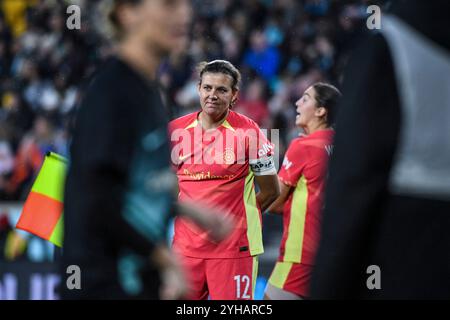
x=228 y=156
x=265 y=149
x=286 y=163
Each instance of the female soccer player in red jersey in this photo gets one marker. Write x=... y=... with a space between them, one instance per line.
x=302 y=180
x=218 y=154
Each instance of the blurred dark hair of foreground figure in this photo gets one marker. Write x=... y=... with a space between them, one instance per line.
x=388 y=195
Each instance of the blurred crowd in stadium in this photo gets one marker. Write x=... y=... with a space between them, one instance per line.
x=280 y=46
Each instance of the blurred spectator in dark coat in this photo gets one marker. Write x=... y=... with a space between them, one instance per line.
x=388 y=198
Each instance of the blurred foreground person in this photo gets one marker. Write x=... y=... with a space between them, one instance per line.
x=302 y=183
x=387 y=211
x=118 y=196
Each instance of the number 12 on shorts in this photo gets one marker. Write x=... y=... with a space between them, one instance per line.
x=243 y=285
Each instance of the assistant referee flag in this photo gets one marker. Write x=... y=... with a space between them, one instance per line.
x=42 y=212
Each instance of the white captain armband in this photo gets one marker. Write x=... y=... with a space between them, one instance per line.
x=264 y=166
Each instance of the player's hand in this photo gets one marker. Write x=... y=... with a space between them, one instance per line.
x=174 y=283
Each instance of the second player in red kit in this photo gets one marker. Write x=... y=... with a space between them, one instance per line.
x=302 y=179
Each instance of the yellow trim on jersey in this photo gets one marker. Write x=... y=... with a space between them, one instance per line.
x=294 y=242
x=192 y=125
x=227 y=125
x=254 y=229
x=254 y=275
x=280 y=274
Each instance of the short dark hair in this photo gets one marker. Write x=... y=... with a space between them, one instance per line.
x=113 y=19
x=220 y=66
x=327 y=96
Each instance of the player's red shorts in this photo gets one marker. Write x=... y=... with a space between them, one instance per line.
x=292 y=277
x=221 y=279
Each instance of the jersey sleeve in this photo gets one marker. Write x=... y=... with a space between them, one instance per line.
x=293 y=164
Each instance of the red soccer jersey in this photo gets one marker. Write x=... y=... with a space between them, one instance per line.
x=304 y=168
x=226 y=183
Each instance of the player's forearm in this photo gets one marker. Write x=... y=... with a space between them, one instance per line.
x=209 y=219
x=265 y=199
x=162 y=257
x=194 y=213
x=276 y=206
x=269 y=190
